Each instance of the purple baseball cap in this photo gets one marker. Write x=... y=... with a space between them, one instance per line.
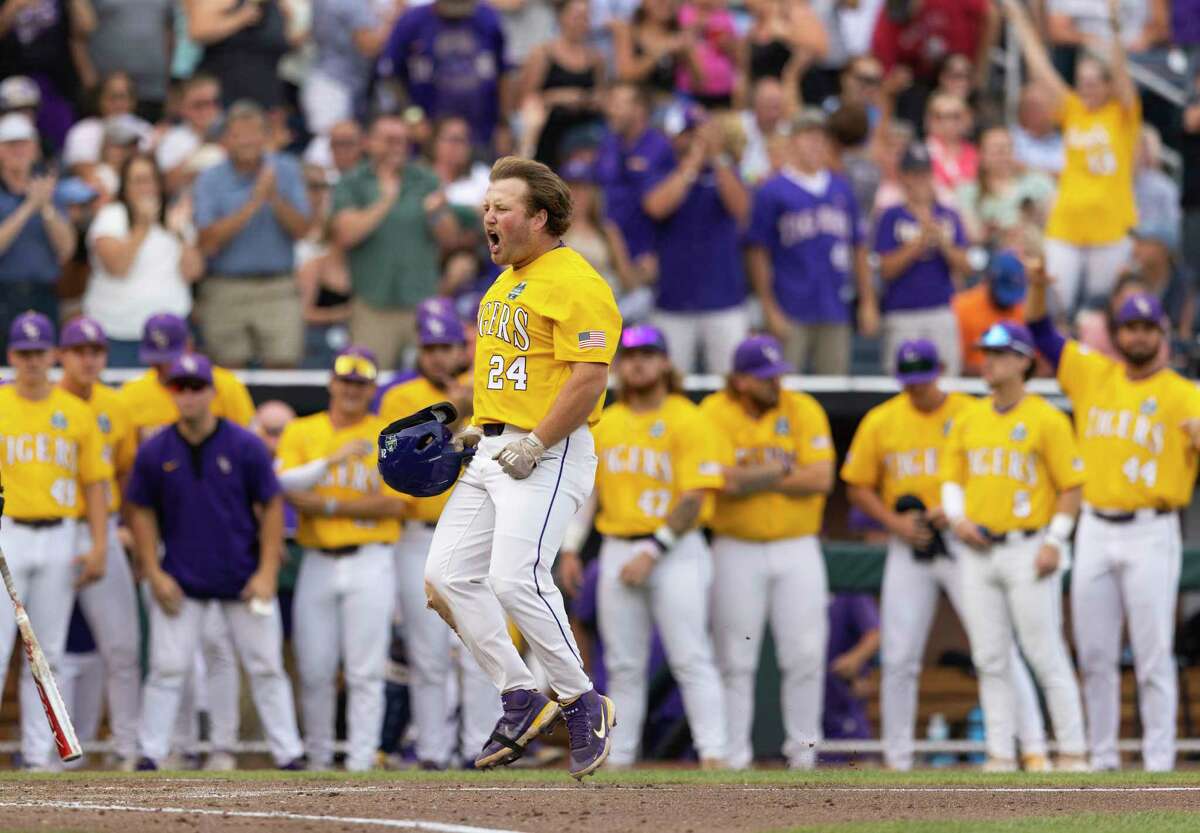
x=81 y=331
x=190 y=367
x=643 y=337
x=1008 y=335
x=164 y=338
x=440 y=329
x=437 y=305
x=1141 y=306
x=762 y=357
x=31 y=331
x=578 y=170
x=356 y=364
x=917 y=362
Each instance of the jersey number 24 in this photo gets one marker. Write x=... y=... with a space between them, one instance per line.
x=515 y=373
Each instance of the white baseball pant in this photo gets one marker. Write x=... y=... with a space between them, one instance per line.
x=81 y=684
x=259 y=643
x=492 y=554
x=213 y=686
x=429 y=644
x=908 y=603
x=674 y=599
x=1131 y=569
x=41 y=562
x=1002 y=593
x=781 y=582
x=110 y=608
x=344 y=606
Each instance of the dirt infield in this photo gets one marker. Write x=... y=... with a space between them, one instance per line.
x=549 y=803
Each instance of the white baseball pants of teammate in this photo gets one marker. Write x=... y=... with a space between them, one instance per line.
x=492 y=555
x=1002 y=593
x=110 y=608
x=1131 y=568
x=675 y=599
x=782 y=582
x=344 y=605
x=429 y=644
x=908 y=603
x=40 y=559
x=258 y=640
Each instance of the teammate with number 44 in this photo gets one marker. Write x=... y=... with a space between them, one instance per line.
x=1138 y=425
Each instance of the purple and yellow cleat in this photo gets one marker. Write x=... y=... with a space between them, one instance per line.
x=527 y=714
x=590 y=718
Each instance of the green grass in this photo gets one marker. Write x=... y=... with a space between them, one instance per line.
x=1147 y=822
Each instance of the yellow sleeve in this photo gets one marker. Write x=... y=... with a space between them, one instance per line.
x=698 y=454
x=862 y=460
x=290 y=452
x=1078 y=368
x=587 y=324
x=953 y=468
x=815 y=440
x=93 y=468
x=235 y=399
x=1061 y=452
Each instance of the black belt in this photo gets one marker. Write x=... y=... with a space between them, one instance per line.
x=38 y=523
x=428 y=524
x=339 y=551
x=1127 y=517
x=1001 y=537
x=493 y=429
x=647 y=536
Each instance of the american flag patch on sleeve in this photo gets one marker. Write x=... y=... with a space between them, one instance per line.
x=592 y=340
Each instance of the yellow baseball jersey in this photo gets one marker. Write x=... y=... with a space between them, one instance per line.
x=1137 y=454
x=1012 y=465
x=534 y=322
x=897 y=449
x=116 y=434
x=314 y=437
x=796 y=428
x=152 y=409
x=49 y=450
x=647 y=459
x=399 y=402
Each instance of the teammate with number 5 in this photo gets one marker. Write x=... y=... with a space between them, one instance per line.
x=659 y=470
x=1138 y=425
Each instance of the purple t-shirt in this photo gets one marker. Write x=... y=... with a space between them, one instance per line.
x=926 y=283
x=699 y=249
x=811 y=239
x=623 y=172
x=204 y=498
x=851 y=616
x=450 y=67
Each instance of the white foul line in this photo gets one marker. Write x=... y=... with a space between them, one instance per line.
x=403 y=824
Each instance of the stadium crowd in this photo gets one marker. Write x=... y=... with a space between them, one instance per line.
x=298 y=183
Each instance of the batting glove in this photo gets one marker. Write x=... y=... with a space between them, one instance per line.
x=519 y=457
x=466 y=439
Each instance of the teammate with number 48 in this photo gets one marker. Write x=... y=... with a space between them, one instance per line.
x=1138 y=425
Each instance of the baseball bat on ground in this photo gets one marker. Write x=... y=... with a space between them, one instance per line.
x=56 y=710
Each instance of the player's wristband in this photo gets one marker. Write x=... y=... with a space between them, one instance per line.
x=954 y=502
x=666 y=538
x=1059 y=531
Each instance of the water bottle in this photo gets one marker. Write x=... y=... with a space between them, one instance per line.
x=939 y=730
x=976 y=731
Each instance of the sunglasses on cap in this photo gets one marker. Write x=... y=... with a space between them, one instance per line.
x=359 y=366
x=190 y=385
x=911 y=367
x=998 y=338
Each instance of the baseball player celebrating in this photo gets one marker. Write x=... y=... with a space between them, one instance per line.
x=109 y=605
x=1011 y=467
x=205 y=488
x=427 y=639
x=53 y=462
x=659 y=468
x=768 y=565
x=1138 y=424
x=349 y=523
x=892 y=475
x=547 y=331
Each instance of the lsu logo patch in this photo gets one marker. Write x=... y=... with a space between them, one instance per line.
x=782 y=426
x=59 y=420
x=170 y=466
x=1019 y=433
x=1149 y=406
x=516 y=291
x=105 y=424
x=658 y=429
x=1077 y=464
x=224 y=465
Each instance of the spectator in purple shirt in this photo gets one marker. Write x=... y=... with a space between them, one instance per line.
x=922 y=257
x=206 y=489
x=449 y=56
x=700 y=208
x=853 y=644
x=806 y=259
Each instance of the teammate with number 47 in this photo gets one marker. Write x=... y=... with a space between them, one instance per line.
x=1138 y=425
x=1011 y=464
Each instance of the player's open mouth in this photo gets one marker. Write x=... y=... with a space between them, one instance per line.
x=493 y=242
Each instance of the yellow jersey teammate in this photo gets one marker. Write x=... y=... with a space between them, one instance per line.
x=658 y=473
x=547 y=331
x=1138 y=424
x=767 y=565
x=52 y=460
x=892 y=473
x=1011 y=490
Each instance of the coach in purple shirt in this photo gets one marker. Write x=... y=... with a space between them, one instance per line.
x=853 y=644
x=922 y=260
x=700 y=208
x=806 y=257
x=206 y=488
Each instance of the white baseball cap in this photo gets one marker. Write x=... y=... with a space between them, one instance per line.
x=16 y=127
x=19 y=91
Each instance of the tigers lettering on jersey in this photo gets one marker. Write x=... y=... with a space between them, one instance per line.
x=628 y=459
x=1003 y=462
x=40 y=448
x=1139 y=429
x=495 y=318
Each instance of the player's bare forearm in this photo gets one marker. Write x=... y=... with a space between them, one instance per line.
x=270 y=536
x=95 y=499
x=869 y=502
x=1069 y=501
x=683 y=516
x=812 y=479
x=575 y=401
x=750 y=478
